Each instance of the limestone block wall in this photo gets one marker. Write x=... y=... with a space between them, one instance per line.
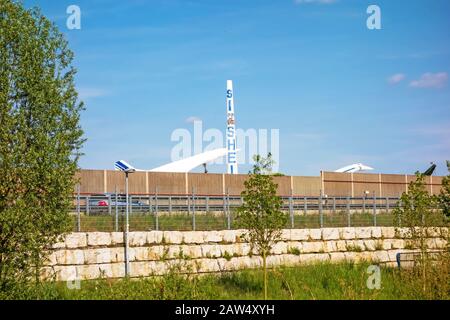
x=94 y=255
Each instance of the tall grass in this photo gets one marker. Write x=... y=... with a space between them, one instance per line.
x=204 y=222
x=319 y=281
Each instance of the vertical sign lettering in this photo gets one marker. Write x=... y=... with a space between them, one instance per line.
x=232 y=167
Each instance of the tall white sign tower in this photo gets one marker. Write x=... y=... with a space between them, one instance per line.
x=232 y=165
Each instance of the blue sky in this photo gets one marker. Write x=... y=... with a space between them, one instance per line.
x=339 y=92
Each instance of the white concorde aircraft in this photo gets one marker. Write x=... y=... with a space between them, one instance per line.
x=183 y=165
x=354 y=168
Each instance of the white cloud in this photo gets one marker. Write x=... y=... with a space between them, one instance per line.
x=89 y=93
x=315 y=1
x=430 y=80
x=396 y=78
x=192 y=119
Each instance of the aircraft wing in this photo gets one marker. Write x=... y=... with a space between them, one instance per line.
x=188 y=164
x=184 y=165
x=354 y=168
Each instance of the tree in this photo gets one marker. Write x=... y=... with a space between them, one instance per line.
x=417 y=214
x=40 y=140
x=444 y=196
x=260 y=213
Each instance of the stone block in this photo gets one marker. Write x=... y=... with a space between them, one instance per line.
x=330 y=246
x=381 y=256
x=76 y=240
x=370 y=245
x=376 y=232
x=137 y=239
x=69 y=257
x=117 y=238
x=313 y=247
x=230 y=236
x=337 y=257
x=341 y=245
x=211 y=251
x=347 y=233
x=193 y=237
x=98 y=239
x=155 y=237
x=118 y=270
x=363 y=232
x=172 y=237
x=139 y=269
x=279 y=248
x=97 y=256
x=212 y=236
x=388 y=232
x=117 y=254
x=243 y=249
x=386 y=244
x=290 y=260
x=398 y=244
x=299 y=234
x=89 y=272
x=315 y=234
x=66 y=273
x=190 y=251
x=330 y=234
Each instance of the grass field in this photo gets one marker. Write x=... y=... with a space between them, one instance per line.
x=183 y=221
x=320 y=281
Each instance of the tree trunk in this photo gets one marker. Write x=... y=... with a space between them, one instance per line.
x=265 y=274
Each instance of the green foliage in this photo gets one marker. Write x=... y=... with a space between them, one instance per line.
x=260 y=213
x=227 y=256
x=40 y=139
x=418 y=214
x=294 y=250
x=417 y=208
x=444 y=197
x=343 y=281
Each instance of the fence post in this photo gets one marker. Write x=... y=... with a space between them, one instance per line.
x=387 y=204
x=374 y=210
x=150 y=210
x=189 y=203
x=349 y=224
x=116 y=224
x=193 y=209
x=207 y=204
x=88 y=209
x=291 y=210
x=305 y=205
x=156 y=210
x=109 y=205
x=130 y=206
x=78 y=209
x=170 y=204
x=334 y=205
x=364 y=203
x=321 y=209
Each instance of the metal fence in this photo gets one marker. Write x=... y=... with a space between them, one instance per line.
x=106 y=212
